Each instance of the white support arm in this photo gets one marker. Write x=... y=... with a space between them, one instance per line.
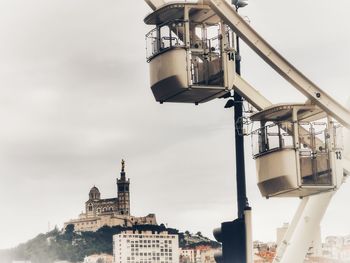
x=279 y=63
x=155 y=4
x=250 y=94
x=303 y=229
x=292 y=226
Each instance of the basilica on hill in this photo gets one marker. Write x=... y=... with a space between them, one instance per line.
x=111 y=211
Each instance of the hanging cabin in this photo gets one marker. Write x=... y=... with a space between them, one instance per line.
x=296 y=153
x=190 y=53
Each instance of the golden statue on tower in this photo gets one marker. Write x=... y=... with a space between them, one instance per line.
x=123 y=165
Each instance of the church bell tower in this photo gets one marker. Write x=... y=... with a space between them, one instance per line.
x=123 y=192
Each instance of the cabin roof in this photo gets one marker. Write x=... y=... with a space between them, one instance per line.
x=199 y=13
x=284 y=112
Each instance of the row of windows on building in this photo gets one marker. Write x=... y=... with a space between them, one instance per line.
x=151 y=260
x=136 y=246
x=148 y=246
x=147 y=241
x=86 y=223
x=163 y=252
x=144 y=256
x=164 y=248
x=147 y=236
x=105 y=209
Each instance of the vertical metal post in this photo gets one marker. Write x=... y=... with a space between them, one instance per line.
x=244 y=211
x=242 y=199
x=236 y=235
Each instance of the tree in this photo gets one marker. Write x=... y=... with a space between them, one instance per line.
x=69 y=229
x=69 y=232
x=199 y=234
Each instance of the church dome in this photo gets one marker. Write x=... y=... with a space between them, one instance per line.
x=94 y=193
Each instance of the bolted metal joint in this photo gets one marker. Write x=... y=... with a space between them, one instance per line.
x=239 y=3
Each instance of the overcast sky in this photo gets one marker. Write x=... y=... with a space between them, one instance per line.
x=75 y=99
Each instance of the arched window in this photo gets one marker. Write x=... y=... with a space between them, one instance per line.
x=90 y=207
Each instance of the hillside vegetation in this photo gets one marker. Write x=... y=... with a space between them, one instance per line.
x=74 y=246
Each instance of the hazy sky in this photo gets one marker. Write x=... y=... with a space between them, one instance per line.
x=75 y=99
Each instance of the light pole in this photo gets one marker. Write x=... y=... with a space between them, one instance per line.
x=236 y=236
x=242 y=199
x=237 y=104
x=244 y=210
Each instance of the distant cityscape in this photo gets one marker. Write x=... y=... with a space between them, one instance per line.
x=334 y=249
x=142 y=240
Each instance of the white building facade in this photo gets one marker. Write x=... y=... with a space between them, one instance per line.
x=187 y=255
x=145 y=247
x=200 y=254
